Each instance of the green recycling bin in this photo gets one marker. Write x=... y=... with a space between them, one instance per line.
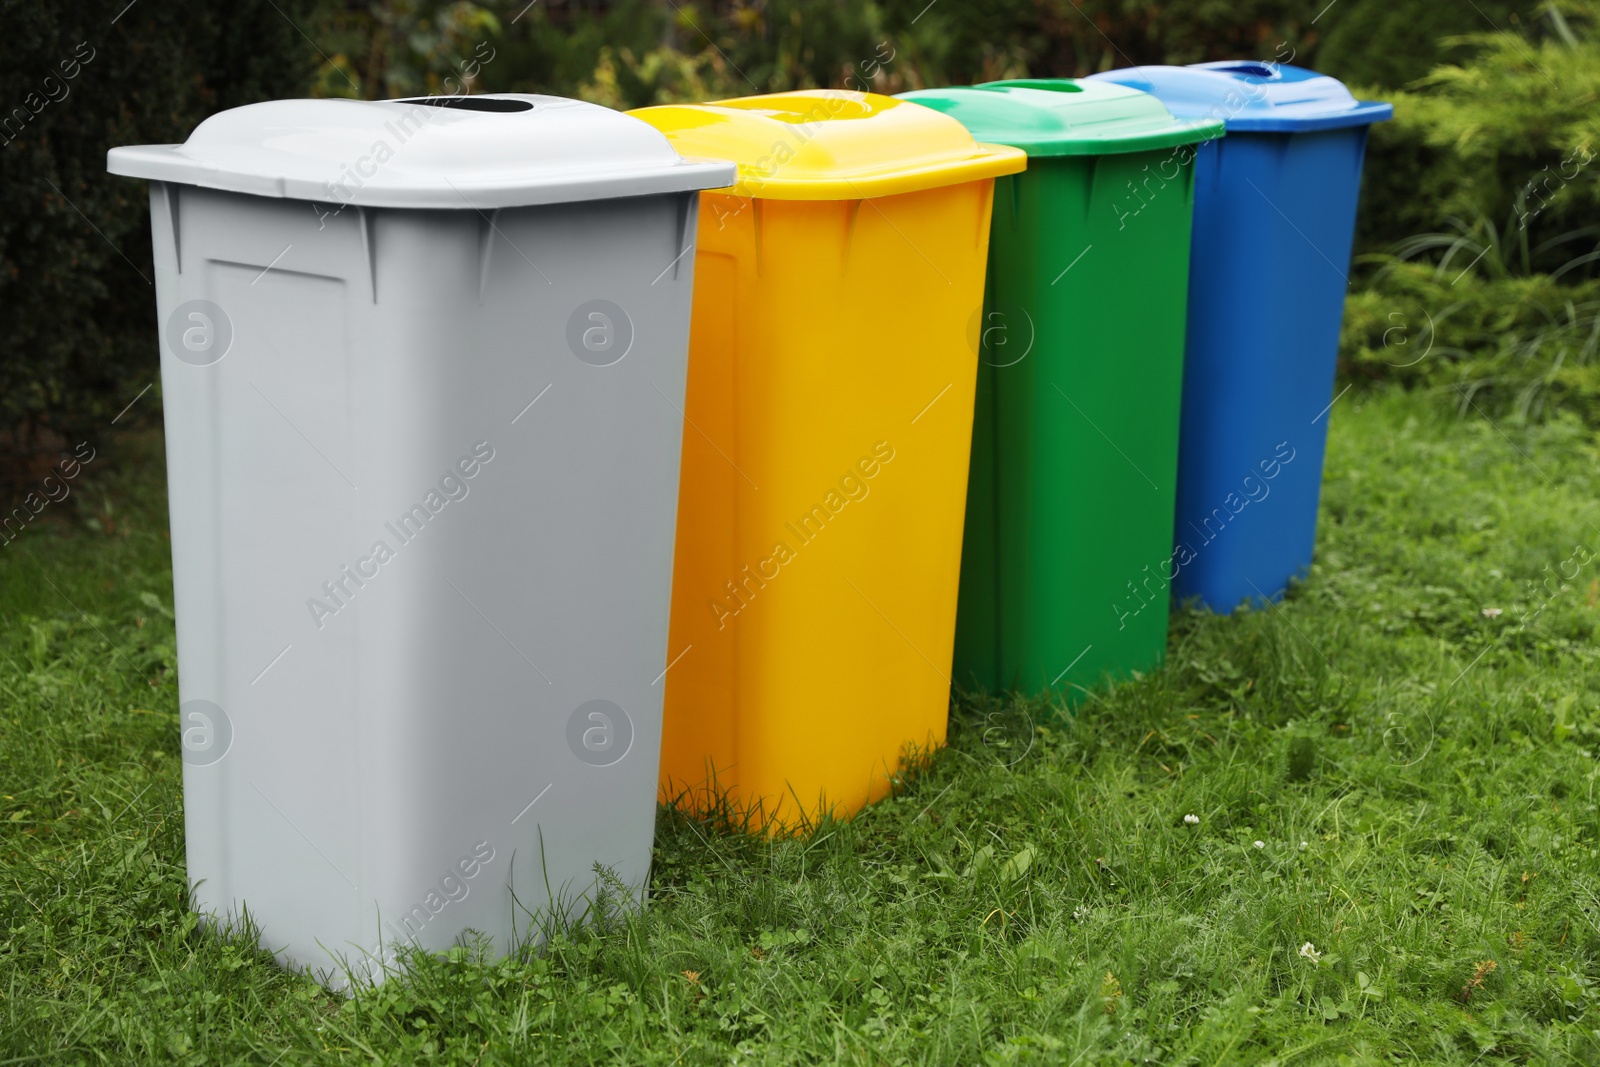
x=1068 y=551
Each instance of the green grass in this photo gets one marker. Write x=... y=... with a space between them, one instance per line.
x=1421 y=778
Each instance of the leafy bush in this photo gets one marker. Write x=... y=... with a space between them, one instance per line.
x=77 y=313
x=1386 y=44
x=633 y=52
x=1506 y=131
x=1507 y=342
x=1507 y=312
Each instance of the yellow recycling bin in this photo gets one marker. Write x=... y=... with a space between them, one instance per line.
x=833 y=359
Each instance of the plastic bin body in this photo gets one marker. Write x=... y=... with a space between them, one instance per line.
x=1075 y=443
x=414 y=536
x=830 y=406
x=1275 y=208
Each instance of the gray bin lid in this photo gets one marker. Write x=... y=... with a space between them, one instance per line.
x=490 y=151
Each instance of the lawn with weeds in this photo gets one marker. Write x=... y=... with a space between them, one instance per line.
x=1358 y=826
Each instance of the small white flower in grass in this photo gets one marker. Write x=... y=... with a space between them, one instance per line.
x=1192 y=820
x=1492 y=613
x=1303 y=845
x=1080 y=913
x=1260 y=844
x=1309 y=951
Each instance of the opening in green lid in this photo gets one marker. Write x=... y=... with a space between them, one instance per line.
x=1066 y=117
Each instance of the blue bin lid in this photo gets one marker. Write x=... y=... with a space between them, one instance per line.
x=1253 y=97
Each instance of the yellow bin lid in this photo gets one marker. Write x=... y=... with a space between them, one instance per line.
x=831 y=144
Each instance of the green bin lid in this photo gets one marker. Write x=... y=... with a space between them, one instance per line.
x=1066 y=117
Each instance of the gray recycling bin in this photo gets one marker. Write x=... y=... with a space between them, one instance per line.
x=423 y=370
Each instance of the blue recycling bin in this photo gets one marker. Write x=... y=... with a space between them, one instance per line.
x=1274 y=217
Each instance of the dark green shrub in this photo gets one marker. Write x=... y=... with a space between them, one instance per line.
x=1488 y=339
x=1483 y=197
x=77 y=311
x=1505 y=132
x=635 y=52
x=1385 y=44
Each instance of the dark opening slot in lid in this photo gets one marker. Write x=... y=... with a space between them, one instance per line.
x=1055 y=85
x=1250 y=70
x=471 y=103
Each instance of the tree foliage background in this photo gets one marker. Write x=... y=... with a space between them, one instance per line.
x=1488 y=156
x=77 y=310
